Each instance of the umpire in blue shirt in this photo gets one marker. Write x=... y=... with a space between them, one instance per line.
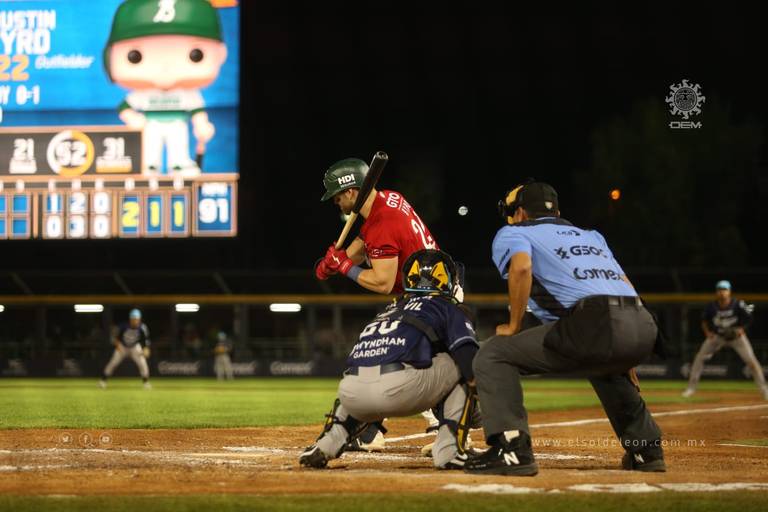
x=592 y=323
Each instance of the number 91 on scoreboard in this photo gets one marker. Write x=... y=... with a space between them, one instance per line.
x=154 y=210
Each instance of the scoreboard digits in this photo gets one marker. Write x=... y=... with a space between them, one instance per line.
x=86 y=183
x=198 y=209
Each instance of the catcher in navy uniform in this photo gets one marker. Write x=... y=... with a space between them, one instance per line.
x=415 y=355
x=724 y=324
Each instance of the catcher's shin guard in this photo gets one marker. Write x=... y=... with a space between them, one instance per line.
x=352 y=426
x=461 y=428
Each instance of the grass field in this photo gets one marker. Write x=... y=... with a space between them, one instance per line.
x=179 y=403
x=660 y=502
x=199 y=403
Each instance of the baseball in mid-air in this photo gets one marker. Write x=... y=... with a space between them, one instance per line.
x=463 y=210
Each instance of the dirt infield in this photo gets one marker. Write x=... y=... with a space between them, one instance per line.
x=576 y=450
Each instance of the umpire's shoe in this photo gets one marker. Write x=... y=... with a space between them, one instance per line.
x=510 y=455
x=650 y=460
x=313 y=457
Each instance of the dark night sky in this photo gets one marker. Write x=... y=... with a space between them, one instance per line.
x=466 y=104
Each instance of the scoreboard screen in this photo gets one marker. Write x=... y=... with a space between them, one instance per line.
x=118 y=118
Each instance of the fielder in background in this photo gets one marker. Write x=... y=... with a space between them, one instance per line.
x=594 y=324
x=415 y=355
x=724 y=323
x=131 y=340
x=222 y=362
x=392 y=231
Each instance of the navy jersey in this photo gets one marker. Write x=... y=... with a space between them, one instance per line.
x=569 y=264
x=390 y=339
x=129 y=336
x=719 y=320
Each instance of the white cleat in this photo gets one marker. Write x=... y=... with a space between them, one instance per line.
x=102 y=384
x=426 y=450
x=377 y=444
x=147 y=385
x=432 y=422
x=765 y=393
x=688 y=393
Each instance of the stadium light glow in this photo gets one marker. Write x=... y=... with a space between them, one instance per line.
x=285 y=308
x=2 y=308
x=187 y=308
x=89 y=308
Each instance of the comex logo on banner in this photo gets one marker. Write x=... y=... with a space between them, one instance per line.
x=685 y=100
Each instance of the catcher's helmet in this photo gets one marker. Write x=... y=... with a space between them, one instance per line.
x=431 y=272
x=536 y=197
x=344 y=174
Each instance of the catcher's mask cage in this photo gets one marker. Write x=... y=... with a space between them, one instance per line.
x=432 y=272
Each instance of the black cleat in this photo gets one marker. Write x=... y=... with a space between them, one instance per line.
x=313 y=457
x=649 y=460
x=461 y=459
x=514 y=458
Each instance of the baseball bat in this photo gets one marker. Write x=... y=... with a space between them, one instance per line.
x=200 y=153
x=380 y=160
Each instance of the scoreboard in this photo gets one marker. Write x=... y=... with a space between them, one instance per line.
x=87 y=182
x=97 y=143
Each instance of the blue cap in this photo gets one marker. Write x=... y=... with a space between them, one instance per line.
x=135 y=313
x=723 y=285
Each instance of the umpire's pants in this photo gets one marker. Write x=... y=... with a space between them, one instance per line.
x=603 y=338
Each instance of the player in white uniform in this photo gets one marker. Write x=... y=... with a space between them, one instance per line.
x=222 y=362
x=131 y=340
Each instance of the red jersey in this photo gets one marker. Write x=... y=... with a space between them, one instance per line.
x=394 y=229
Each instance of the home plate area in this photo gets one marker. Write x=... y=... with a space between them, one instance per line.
x=705 y=452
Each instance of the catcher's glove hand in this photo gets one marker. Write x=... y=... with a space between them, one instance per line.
x=146 y=352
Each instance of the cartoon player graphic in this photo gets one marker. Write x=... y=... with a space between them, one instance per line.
x=164 y=52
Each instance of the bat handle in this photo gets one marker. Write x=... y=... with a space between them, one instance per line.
x=200 y=152
x=345 y=231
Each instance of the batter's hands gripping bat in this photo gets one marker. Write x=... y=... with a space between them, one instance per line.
x=380 y=159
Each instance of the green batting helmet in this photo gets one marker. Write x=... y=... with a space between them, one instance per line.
x=344 y=174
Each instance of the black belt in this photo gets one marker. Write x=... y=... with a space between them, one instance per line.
x=384 y=368
x=611 y=300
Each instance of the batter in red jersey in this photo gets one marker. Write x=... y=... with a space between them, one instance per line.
x=392 y=231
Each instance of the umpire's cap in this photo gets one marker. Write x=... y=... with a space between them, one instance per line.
x=538 y=198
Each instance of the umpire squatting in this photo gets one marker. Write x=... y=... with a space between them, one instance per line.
x=415 y=355
x=594 y=324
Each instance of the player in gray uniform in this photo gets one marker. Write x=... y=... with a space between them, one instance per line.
x=222 y=363
x=415 y=355
x=132 y=340
x=724 y=323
